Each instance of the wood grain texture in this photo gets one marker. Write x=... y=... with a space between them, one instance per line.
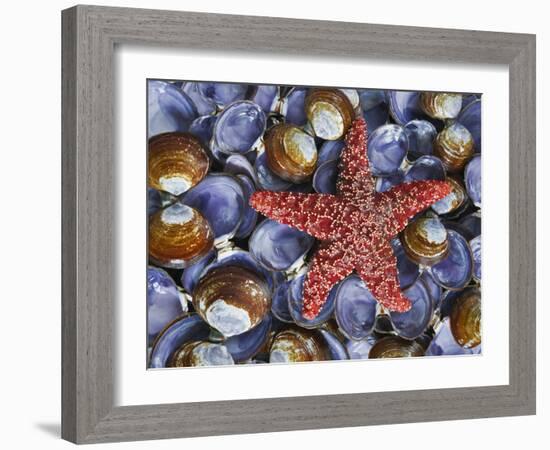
x=89 y=265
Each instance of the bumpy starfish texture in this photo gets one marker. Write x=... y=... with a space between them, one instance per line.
x=355 y=226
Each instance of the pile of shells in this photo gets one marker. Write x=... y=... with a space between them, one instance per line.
x=225 y=284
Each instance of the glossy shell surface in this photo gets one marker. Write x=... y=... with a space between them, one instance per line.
x=466 y=319
x=425 y=240
x=395 y=347
x=201 y=354
x=441 y=105
x=177 y=162
x=329 y=112
x=454 y=145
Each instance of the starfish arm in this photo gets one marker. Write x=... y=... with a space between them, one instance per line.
x=311 y=213
x=330 y=265
x=378 y=269
x=355 y=175
x=402 y=202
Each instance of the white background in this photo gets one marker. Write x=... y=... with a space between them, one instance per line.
x=134 y=385
x=30 y=226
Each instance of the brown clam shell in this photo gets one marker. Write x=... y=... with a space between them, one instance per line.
x=298 y=345
x=192 y=354
x=453 y=202
x=177 y=162
x=466 y=318
x=454 y=145
x=395 y=347
x=329 y=112
x=178 y=236
x=232 y=299
x=425 y=240
x=441 y=105
x=291 y=153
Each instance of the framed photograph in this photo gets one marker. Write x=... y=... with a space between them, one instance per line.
x=267 y=230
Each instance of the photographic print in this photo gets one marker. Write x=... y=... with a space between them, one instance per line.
x=291 y=224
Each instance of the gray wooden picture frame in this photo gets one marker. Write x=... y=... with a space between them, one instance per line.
x=90 y=34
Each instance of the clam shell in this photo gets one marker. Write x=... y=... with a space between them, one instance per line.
x=266 y=96
x=329 y=151
x=326 y=175
x=178 y=236
x=441 y=105
x=169 y=109
x=278 y=247
x=412 y=323
x=221 y=200
x=425 y=240
x=250 y=216
x=296 y=303
x=191 y=274
x=232 y=299
x=154 y=201
x=222 y=94
x=240 y=165
x=164 y=303
x=359 y=349
x=455 y=270
x=185 y=329
x=443 y=343
x=201 y=353
x=239 y=127
x=279 y=302
x=425 y=168
x=247 y=345
x=408 y=272
x=472 y=180
x=475 y=246
x=291 y=153
x=387 y=148
x=454 y=203
x=176 y=162
x=204 y=105
x=395 y=347
x=374 y=107
x=470 y=117
x=267 y=179
x=385 y=183
x=355 y=310
x=466 y=318
x=472 y=224
x=336 y=349
x=404 y=106
x=294 y=107
x=435 y=290
x=421 y=134
x=203 y=128
x=454 y=146
x=329 y=112
x=298 y=345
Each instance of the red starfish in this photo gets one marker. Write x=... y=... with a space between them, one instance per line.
x=355 y=226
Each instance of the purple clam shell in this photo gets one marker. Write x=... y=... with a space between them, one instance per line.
x=203 y=127
x=190 y=328
x=447 y=300
x=385 y=183
x=355 y=310
x=359 y=349
x=443 y=343
x=245 y=346
x=387 y=147
x=425 y=168
x=204 y=106
x=163 y=301
x=295 y=110
x=374 y=108
x=168 y=108
x=154 y=201
x=412 y=323
x=435 y=290
x=266 y=97
x=421 y=134
x=408 y=271
x=239 y=127
x=472 y=179
x=266 y=178
x=250 y=216
x=330 y=150
x=475 y=246
x=472 y=223
x=404 y=106
x=220 y=199
x=455 y=270
x=470 y=117
x=296 y=301
x=278 y=247
x=242 y=258
x=240 y=165
x=336 y=349
x=191 y=275
x=325 y=177
x=222 y=94
x=279 y=302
